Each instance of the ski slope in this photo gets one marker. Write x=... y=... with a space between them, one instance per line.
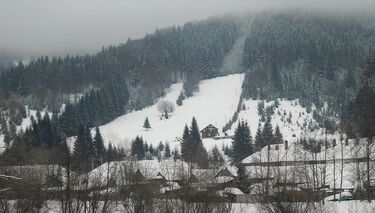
x=214 y=103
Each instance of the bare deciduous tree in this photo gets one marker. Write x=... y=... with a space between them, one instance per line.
x=165 y=108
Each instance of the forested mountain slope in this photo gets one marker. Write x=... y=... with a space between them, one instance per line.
x=146 y=65
x=316 y=58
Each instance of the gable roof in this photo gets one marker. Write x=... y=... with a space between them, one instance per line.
x=224 y=173
x=138 y=176
x=210 y=126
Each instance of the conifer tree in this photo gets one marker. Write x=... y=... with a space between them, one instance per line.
x=267 y=133
x=167 y=152
x=242 y=178
x=180 y=98
x=146 y=147
x=82 y=147
x=13 y=131
x=90 y=142
x=109 y=153
x=99 y=144
x=38 y=116
x=137 y=148
x=186 y=148
x=176 y=154
x=151 y=150
x=195 y=133
x=258 y=138
x=242 y=143
x=7 y=138
x=192 y=149
x=146 y=124
x=161 y=146
x=278 y=136
x=199 y=153
x=261 y=109
x=217 y=158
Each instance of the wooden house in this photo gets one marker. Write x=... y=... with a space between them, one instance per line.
x=210 y=131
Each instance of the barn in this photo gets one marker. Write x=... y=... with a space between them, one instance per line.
x=210 y=131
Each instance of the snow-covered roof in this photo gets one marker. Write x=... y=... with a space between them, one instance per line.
x=295 y=152
x=121 y=171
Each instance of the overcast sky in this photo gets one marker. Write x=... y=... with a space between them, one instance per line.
x=58 y=27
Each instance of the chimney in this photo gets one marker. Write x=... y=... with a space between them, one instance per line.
x=286 y=145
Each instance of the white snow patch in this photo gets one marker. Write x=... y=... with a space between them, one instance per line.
x=215 y=104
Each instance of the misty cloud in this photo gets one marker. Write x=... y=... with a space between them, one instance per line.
x=58 y=27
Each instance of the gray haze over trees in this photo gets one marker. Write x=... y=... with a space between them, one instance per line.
x=43 y=27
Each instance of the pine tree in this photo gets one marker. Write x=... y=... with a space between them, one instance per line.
x=217 y=158
x=81 y=148
x=109 y=153
x=146 y=124
x=151 y=150
x=242 y=143
x=38 y=116
x=167 y=152
x=267 y=133
x=258 y=138
x=186 y=148
x=7 y=138
x=176 y=154
x=137 y=148
x=278 y=136
x=161 y=146
x=199 y=153
x=146 y=147
x=180 y=99
x=261 y=110
x=13 y=131
x=242 y=178
x=90 y=143
x=99 y=144
x=195 y=133
x=192 y=149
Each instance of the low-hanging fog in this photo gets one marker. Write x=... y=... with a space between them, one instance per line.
x=59 y=27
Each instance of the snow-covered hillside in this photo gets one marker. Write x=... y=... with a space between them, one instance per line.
x=289 y=115
x=215 y=103
x=26 y=122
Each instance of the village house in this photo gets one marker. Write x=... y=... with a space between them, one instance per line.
x=210 y=131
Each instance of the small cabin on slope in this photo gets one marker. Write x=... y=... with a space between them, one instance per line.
x=210 y=131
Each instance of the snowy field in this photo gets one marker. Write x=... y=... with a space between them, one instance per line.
x=215 y=103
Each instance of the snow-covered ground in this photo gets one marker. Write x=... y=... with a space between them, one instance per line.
x=26 y=122
x=214 y=103
x=330 y=207
x=354 y=206
x=299 y=116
